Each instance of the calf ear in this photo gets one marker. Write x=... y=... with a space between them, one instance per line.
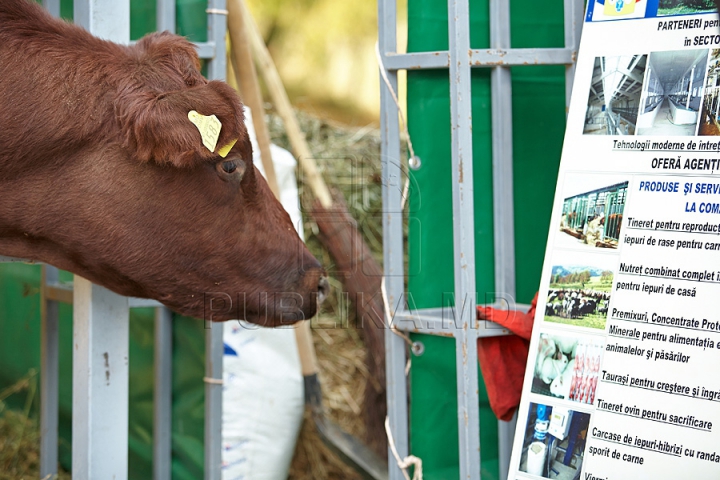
x=155 y=126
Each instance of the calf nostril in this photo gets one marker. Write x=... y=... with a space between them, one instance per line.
x=323 y=289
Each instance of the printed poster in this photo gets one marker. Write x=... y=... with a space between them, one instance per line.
x=623 y=376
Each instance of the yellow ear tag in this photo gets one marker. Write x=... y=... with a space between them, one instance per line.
x=209 y=128
x=223 y=152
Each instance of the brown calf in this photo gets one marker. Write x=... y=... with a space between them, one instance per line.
x=102 y=173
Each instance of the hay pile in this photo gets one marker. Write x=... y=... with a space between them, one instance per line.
x=20 y=434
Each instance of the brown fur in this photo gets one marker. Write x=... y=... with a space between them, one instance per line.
x=102 y=174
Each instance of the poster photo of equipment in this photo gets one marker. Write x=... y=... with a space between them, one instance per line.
x=554 y=442
x=709 y=123
x=567 y=367
x=614 y=98
x=592 y=211
x=672 y=93
x=579 y=290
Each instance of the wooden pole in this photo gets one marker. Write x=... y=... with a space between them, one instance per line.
x=282 y=104
x=249 y=85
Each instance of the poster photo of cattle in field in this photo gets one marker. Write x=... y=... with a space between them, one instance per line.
x=579 y=295
x=684 y=7
x=567 y=367
x=592 y=212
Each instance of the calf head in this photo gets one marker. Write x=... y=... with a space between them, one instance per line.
x=131 y=197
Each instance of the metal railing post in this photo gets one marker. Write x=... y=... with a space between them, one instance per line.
x=100 y=382
x=49 y=371
x=100 y=324
x=464 y=238
x=217 y=27
x=162 y=401
x=394 y=269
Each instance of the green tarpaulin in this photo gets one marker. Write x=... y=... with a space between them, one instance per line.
x=538 y=111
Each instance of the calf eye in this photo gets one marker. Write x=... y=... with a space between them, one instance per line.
x=229 y=166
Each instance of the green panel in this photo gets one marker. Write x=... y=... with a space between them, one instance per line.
x=192 y=19
x=538 y=130
x=433 y=416
x=20 y=352
x=66 y=9
x=538 y=126
x=143 y=17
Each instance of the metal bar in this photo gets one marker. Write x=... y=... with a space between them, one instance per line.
x=213 y=400
x=506 y=435
x=207 y=49
x=502 y=148
x=100 y=383
x=435 y=321
x=52 y=6
x=505 y=56
x=394 y=268
x=49 y=361
x=482 y=58
x=106 y=19
x=100 y=324
x=503 y=201
x=464 y=237
x=217 y=69
x=217 y=26
x=4 y=259
x=162 y=403
x=573 y=20
x=165 y=10
x=143 y=303
x=416 y=61
x=63 y=293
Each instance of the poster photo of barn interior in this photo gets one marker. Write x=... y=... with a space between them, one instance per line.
x=614 y=98
x=672 y=93
x=579 y=290
x=567 y=367
x=592 y=211
x=554 y=442
x=709 y=123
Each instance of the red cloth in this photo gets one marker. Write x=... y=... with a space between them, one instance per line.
x=502 y=359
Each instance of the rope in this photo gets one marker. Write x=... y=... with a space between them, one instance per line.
x=393 y=329
x=406 y=462
x=403 y=123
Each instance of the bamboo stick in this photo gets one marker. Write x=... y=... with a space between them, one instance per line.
x=282 y=104
x=249 y=85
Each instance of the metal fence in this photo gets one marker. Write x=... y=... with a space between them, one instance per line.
x=458 y=60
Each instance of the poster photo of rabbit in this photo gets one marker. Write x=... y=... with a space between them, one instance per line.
x=567 y=367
